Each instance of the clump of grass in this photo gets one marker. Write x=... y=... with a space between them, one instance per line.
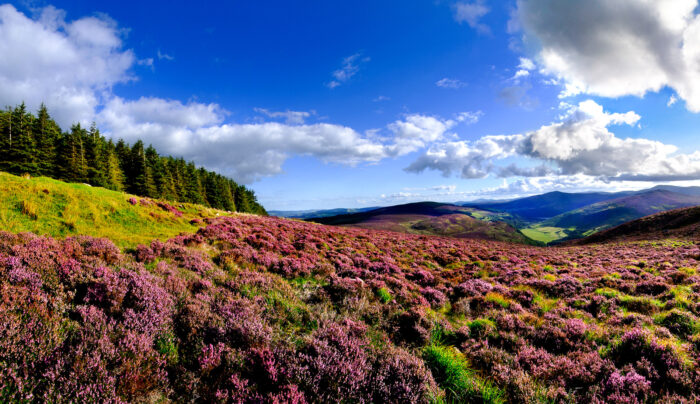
x=687 y=270
x=482 y=327
x=679 y=322
x=28 y=208
x=461 y=384
x=639 y=304
x=384 y=295
x=607 y=292
x=498 y=298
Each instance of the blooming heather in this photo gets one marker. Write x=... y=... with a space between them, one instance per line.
x=255 y=309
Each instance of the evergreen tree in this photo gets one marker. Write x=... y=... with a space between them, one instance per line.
x=115 y=175
x=46 y=134
x=37 y=146
x=194 y=192
x=22 y=148
x=242 y=199
x=72 y=162
x=141 y=181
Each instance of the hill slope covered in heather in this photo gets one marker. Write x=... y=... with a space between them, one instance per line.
x=254 y=309
x=432 y=218
x=58 y=209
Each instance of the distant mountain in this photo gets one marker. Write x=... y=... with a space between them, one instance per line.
x=312 y=213
x=432 y=218
x=694 y=191
x=542 y=207
x=678 y=223
x=603 y=215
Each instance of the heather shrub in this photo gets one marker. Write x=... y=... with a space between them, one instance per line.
x=400 y=377
x=254 y=309
x=334 y=364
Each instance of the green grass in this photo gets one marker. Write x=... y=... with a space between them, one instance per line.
x=49 y=207
x=544 y=234
x=460 y=383
x=384 y=295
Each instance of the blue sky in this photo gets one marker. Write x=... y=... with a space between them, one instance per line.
x=343 y=104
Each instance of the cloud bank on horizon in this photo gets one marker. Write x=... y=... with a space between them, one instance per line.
x=608 y=49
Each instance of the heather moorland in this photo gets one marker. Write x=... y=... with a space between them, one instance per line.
x=255 y=309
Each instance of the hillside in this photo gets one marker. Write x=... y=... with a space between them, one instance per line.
x=58 y=209
x=604 y=215
x=676 y=224
x=311 y=214
x=541 y=207
x=255 y=309
x=432 y=218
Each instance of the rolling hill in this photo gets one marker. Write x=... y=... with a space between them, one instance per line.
x=50 y=207
x=603 y=215
x=678 y=223
x=542 y=207
x=433 y=218
x=313 y=213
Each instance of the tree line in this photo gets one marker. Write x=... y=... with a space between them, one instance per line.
x=36 y=145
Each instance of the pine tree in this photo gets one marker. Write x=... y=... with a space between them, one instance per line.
x=46 y=134
x=193 y=186
x=242 y=199
x=141 y=181
x=5 y=137
x=72 y=162
x=114 y=175
x=22 y=148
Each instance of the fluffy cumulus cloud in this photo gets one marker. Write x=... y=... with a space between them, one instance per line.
x=251 y=151
x=614 y=48
x=67 y=65
x=580 y=144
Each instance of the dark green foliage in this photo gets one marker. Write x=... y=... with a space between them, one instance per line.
x=35 y=145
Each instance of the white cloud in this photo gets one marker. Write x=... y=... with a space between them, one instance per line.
x=469 y=117
x=69 y=65
x=351 y=65
x=526 y=64
x=248 y=152
x=614 y=48
x=381 y=98
x=672 y=100
x=290 y=117
x=415 y=131
x=450 y=83
x=471 y=13
x=520 y=74
x=164 y=56
x=581 y=144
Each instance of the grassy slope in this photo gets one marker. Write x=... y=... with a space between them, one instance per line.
x=47 y=206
